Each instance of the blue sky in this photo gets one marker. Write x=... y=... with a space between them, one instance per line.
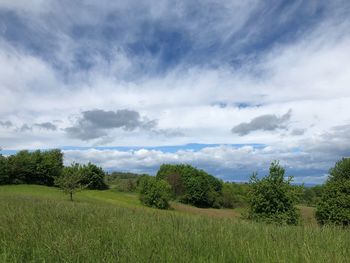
x=228 y=86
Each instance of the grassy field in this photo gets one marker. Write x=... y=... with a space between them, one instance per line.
x=39 y=224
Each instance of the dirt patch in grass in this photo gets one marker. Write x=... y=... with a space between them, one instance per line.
x=307 y=215
x=226 y=213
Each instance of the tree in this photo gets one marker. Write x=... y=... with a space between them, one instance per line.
x=38 y=167
x=173 y=174
x=50 y=166
x=191 y=185
x=93 y=177
x=272 y=198
x=4 y=176
x=334 y=207
x=70 y=180
x=154 y=192
x=20 y=167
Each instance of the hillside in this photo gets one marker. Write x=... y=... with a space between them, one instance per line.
x=39 y=224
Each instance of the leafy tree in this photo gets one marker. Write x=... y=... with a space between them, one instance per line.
x=191 y=185
x=334 y=207
x=38 y=167
x=4 y=176
x=173 y=174
x=93 y=177
x=272 y=198
x=154 y=192
x=20 y=167
x=50 y=166
x=70 y=180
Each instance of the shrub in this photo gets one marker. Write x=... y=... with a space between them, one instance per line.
x=272 y=199
x=154 y=192
x=334 y=207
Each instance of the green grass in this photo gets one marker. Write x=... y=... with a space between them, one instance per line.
x=39 y=224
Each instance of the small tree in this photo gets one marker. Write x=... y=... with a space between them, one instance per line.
x=272 y=198
x=154 y=192
x=334 y=207
x=70 y=180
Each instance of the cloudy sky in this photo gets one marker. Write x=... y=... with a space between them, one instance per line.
x=227 y=86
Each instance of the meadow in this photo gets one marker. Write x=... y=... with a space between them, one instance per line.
x=40 y=224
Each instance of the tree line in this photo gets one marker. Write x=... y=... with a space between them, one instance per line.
x=46 y=168
x=270 y=199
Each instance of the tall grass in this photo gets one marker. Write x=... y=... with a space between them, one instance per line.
x=40 y=229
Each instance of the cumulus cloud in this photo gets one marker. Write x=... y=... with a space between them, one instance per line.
x=298 y=132
x=6 y=124
x=226 y=162
x=96 y=123
x=46 y=126
x=25 y=128
x=334 y=142
x=268 y=122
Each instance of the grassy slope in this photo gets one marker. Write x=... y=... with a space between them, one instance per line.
x=39 y=224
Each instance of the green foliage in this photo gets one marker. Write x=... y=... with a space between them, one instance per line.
x=272 y=199
x=70 y=179
x=121 y=175
x=334 y=207
x=123 y=182
x=93 y=177
x=191 y=185
x=234 y=195
x=154 y=192
x=43 y=167
x=311 y=195
x=173 y=174
x=4 y=175
x=38 y=167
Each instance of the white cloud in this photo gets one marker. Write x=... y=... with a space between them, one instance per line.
x=228 y=162
x=309 y=74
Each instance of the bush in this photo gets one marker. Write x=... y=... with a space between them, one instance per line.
x=272 y=199
x=191 y=185
x=334 y=207
x=154 y=192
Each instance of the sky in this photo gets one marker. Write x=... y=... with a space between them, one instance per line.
x=227 y=86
